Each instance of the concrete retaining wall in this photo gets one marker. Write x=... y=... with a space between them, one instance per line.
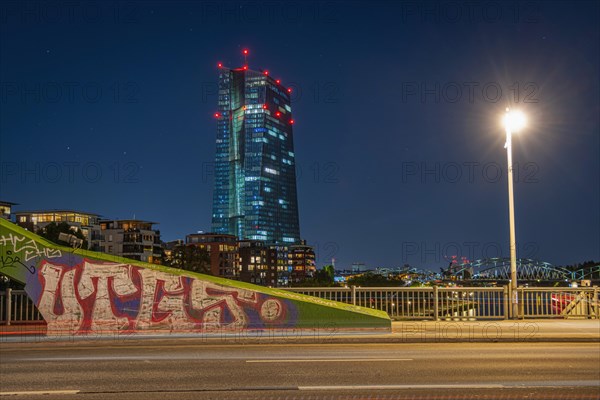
x=80 y=292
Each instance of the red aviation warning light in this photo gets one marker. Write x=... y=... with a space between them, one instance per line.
x=245 y=53
x=278 y=81
x=266 y=72
x=292 y=121
x=245 y=67
x=220 y=65
x=290 y=90
x=217 y=115
x=264 y=106
x=278 y=114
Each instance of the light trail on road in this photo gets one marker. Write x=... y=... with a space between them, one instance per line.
x=220 y=371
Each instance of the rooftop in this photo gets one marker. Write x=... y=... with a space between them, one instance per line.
x=56 y=211
x=128 y=221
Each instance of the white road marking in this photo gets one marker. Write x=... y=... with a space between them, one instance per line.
x=305 y=360
x=398 y=387
x=112 y=358
x=36 y=392
x=147 y=358
x=512 y=385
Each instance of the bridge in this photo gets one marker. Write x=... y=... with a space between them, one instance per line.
x=527 y=270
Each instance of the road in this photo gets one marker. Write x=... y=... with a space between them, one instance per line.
x=153 y=370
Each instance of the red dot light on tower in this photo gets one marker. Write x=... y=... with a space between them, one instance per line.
x=235 y=82
x=245 y=53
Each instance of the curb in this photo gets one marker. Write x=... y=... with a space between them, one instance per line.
x=201 y=341
x=412 y=332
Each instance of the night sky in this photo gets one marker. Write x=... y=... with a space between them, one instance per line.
x=107 y=107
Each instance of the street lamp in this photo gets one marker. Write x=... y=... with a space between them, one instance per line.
x=513 y=122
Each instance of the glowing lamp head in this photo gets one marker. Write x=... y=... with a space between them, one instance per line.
x=514 y=121
x=245 y=51
x=264 y=106
x=289 y=90
x=266 y=72
x=278 y=114
x=217 y=115
x=220 y=65
x=245 y=67
x=292 y=121
x=278 y=81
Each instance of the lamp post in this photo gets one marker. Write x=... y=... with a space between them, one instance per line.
x=513 y=122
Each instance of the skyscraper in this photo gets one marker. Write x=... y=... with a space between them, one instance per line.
x=255 y=178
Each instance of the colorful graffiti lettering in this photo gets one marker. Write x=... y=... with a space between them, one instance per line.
x=107 y=297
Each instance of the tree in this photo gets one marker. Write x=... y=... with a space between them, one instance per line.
x=322 y=278
x=53 y=230
x=371 y=279
x=190 y=258
x=330 y=271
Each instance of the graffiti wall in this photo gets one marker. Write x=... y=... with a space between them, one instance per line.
x=110 y=297
x=81 y=292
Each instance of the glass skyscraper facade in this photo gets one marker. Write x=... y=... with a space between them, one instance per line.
x=255 y=169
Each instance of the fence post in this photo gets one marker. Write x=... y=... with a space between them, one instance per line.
x=507 y=298
x=436 y=311
x=521 y=302
x=353 y=295
x=8 y=305
x=596 y=302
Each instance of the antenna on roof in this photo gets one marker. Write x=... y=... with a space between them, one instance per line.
x=245 y=52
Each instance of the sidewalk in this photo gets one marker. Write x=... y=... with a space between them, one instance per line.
x=571 y=330
x=539 y=330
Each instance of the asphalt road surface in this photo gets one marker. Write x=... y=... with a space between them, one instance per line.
x=155 y=370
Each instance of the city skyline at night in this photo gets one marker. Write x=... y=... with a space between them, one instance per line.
x=398 y=141
x=334 y=199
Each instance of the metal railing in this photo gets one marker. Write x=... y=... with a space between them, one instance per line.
x=420 y=302
x=559 y=302
x=435 y=302
x=430 y=302
x=17 y=307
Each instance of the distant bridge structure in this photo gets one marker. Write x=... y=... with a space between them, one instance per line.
x=587 y=273
x=499 y=269
x=408 y=273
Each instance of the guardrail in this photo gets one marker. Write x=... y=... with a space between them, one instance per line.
x=421 y=302
x=17 y=307
x=559 y=302
x=431 y=302
x=436 y=303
